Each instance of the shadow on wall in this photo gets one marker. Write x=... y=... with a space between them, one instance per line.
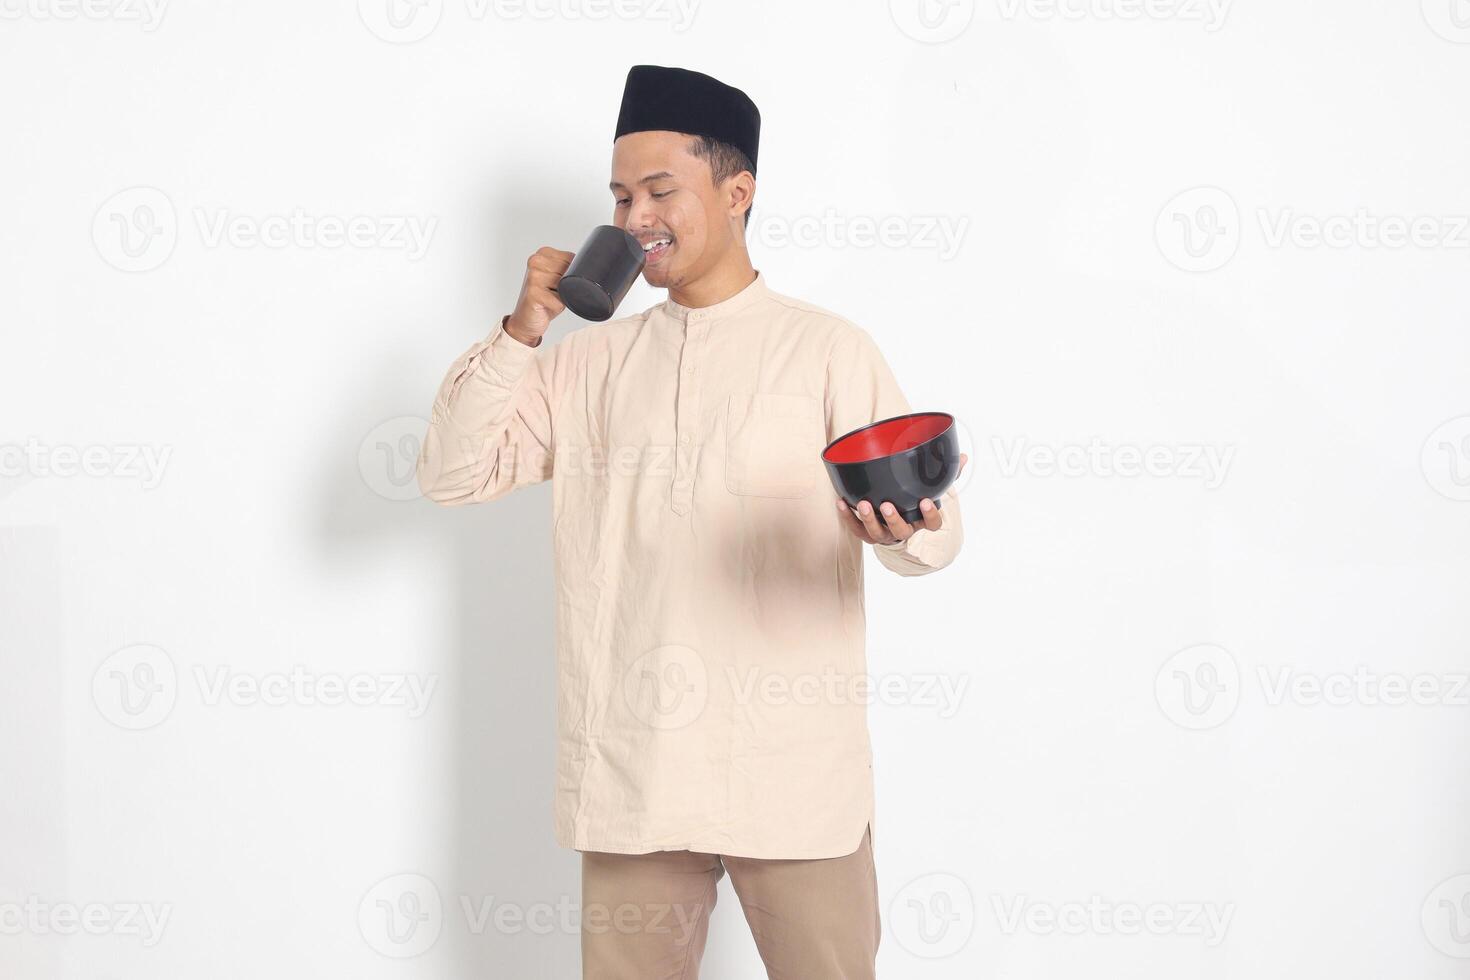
x=498 y=689
x=510 y=905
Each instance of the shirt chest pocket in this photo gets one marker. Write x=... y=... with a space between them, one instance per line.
x=773 y=444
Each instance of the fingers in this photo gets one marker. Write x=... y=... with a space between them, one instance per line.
x=873 y=523
x=894 y=522
x=545 y=268
x=864 y=523
x=546 y=298
x=886 y=525
x=548 y=259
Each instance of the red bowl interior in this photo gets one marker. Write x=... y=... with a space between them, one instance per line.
x=887 y=437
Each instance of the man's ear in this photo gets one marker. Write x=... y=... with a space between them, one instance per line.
x=741 y=191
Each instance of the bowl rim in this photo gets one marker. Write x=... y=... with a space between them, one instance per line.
x=877 y=422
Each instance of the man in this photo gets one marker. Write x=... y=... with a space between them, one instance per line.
x=709 y=592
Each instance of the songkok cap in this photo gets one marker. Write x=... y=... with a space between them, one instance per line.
x=655 y=97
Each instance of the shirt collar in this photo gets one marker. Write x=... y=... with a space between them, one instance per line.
x=756 y=290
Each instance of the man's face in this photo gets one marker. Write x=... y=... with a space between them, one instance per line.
x=662 y=191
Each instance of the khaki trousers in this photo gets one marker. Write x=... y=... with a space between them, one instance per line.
x=646 y=916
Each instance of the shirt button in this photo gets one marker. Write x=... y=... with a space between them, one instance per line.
x=684 y=440
x=689 y=369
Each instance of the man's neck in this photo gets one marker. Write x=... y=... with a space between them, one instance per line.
x=716 y=287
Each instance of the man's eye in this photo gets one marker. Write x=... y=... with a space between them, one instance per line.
x=621 y=202
x=660 y=197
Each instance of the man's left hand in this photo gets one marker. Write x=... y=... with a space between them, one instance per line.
x=888 y=527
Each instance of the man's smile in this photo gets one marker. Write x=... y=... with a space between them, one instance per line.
x=656 y=247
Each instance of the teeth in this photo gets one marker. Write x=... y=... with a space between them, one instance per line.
x=655 y=243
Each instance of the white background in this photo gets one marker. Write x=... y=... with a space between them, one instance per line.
x=1135 y=188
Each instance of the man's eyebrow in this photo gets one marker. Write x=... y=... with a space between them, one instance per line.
x=661 y=175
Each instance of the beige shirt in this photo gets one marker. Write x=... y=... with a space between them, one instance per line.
x=710 y=634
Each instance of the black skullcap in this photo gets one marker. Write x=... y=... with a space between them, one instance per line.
x=691 y=102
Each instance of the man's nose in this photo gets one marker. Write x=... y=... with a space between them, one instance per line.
x=641 y=216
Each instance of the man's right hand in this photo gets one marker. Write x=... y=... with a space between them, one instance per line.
x=539 y=303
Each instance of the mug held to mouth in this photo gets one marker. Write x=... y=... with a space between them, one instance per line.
x=601 y=273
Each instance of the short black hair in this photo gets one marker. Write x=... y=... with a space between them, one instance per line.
x=725 y=161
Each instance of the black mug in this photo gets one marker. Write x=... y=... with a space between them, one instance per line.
x=601 y=273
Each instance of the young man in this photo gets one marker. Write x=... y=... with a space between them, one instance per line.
x=709 y=582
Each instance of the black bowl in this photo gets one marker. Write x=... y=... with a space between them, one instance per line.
x=902 y=460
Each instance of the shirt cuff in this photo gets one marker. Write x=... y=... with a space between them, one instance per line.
x=926 y=550
x=502 y=338
x=913 y=545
